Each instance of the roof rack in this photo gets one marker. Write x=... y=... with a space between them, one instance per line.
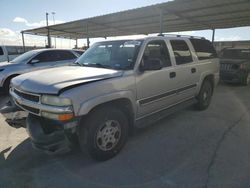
x=187 y=36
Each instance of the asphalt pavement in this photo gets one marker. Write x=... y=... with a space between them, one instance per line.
x=189 y=149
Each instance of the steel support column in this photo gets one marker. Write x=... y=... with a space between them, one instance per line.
x=88 y=42
x=76 y=44
x=213 y=36
x=23 y=42
x=161 y=22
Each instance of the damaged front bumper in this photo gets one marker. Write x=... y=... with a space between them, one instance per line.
x=50 y=136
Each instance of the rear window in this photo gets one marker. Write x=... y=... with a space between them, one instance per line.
x=65 y=55
x=1 y=51
x=204 y=49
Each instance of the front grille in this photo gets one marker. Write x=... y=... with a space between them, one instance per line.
x=30 y=109
x=27 y=96
x=34 y=98
x=225 y=66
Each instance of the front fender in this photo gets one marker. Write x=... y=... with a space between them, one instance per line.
x=88 y=105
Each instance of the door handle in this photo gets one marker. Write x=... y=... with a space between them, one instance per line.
x=193 y=70
x=172 y=74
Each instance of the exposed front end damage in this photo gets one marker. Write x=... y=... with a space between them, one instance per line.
x=14 y=116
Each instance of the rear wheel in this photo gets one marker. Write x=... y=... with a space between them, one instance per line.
x=104 y=134
x=205 y=95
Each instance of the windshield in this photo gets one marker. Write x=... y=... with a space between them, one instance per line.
x=113 y=54
x=236 y=54
x=24 y=57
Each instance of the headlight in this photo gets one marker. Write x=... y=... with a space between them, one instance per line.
x=55 y=101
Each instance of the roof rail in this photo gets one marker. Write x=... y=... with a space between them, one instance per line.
x=187 y=36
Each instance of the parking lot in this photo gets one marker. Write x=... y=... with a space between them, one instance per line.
x=187 y=149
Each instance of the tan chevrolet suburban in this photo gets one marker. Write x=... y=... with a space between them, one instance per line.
x=112 y=88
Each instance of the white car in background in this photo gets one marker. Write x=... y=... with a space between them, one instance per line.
x=35 y=60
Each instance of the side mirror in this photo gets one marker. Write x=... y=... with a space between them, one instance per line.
x=151 y=64
x=33 y=61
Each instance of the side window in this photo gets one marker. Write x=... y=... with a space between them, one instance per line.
x=45 y=56
x=204 y=49
x=181 y=52
x=65 y=55
x=157 y=50
x=1 y=51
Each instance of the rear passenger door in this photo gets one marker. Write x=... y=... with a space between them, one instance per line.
x=187 y=75
x=155 y=87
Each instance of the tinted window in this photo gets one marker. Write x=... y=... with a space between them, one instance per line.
x=157 y=50
x=204 y=49
x=65 y=55
x=181 y=52
x=46 y=56
x=1 y=51
x=12 y=50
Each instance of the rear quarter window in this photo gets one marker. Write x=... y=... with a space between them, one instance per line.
x=204 y=49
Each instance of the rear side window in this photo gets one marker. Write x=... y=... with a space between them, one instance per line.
x=1 y=51
x=204 y=49
x=181 y=52
x=157 y=50
x=65 y=55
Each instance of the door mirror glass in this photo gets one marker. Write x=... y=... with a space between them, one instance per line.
x=34 y=61
x=151 y=64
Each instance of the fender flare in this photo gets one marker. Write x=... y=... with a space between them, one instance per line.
x=87 y=106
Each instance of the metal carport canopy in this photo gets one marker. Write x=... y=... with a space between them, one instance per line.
x=172 y=16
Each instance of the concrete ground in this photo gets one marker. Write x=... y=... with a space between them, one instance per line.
x=189 y=149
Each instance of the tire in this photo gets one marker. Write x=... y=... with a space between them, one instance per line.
x=104 y=133
x=246 y=80
x=6 y=86
x=205 y=95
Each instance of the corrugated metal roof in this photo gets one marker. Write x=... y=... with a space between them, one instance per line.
x=178 y=15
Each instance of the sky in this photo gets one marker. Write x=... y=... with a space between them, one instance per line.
x=17 y=15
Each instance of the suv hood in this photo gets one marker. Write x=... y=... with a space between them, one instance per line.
x=51 y=81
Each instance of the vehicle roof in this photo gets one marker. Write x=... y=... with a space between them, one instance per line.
x=51 y=49
x=159 y=37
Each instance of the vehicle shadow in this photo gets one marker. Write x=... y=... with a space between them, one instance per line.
x=140 y=163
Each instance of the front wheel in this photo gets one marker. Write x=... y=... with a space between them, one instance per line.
x=205 y=95
x=104 y=133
